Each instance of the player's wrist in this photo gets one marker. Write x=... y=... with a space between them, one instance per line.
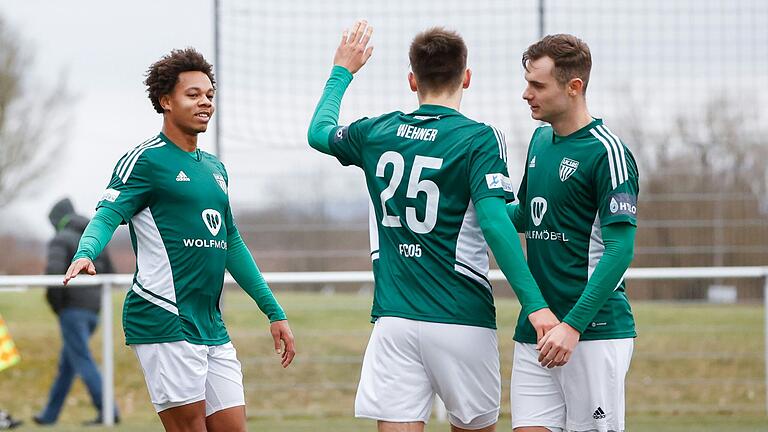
x=341 y=71
x=573 y=327
x=81 y=255
x=530 y=310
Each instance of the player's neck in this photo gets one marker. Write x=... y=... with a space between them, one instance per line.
x=452 y=100
x=184 y=141
x=571 y=121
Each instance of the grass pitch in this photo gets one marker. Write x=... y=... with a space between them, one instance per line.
x=696 y=367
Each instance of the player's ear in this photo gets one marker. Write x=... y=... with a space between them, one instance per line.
x=412 y=81
x=467 y=78
x=165 y=102
x=575 y=87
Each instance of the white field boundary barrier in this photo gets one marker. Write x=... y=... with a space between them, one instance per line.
x=109 y=282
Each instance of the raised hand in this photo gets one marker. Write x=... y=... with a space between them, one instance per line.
x=353 y=51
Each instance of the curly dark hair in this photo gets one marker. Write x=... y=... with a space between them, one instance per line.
x=163 y=74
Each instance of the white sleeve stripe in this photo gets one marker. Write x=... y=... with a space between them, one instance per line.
x=126 y=160
x=616 y=155
x=501 y=142
x=498 y=141
x=128 y=155
x=133 y=163
x=125 y=157
x=610 y=156
x=621 y=149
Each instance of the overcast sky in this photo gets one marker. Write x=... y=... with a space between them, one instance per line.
x=104 y=48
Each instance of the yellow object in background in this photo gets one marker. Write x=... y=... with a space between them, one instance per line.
x=9 y=355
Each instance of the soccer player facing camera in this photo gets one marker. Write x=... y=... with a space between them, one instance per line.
x=174 y=198
x=578 y=210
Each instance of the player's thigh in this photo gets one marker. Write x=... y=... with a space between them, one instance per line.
x=536 y=397
x=184 y=418
x=593 y=384
x=227 y=420
x=463 y=364
x=384 y=426
x=224 y=381
x=491 y=428
x=536 y=429
x=175 y=372
x=394 y=386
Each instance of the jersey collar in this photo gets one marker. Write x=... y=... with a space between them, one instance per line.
x=581 y=133
x=434 y=110
x=194 y=155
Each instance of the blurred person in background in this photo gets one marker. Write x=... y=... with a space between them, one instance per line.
x=77 y=309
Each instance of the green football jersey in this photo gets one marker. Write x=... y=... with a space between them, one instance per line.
x=177 y=208
x=424 y=172
x=573 y=186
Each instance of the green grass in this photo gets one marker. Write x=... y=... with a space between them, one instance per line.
x=696 y=367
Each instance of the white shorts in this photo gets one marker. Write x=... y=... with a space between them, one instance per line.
x=181 y=373
x=407 y=362
x=587 y=394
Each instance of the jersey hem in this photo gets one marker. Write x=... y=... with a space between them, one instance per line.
x=440 y=320
x=154 y=340
x=115 y=208
x=625 y=335
x=619 y=219
x=505 y=195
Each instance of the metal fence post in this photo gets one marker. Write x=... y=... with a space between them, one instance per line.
x=765 y=346
x=108 y=382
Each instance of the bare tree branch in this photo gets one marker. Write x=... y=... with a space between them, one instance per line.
x=33 y=121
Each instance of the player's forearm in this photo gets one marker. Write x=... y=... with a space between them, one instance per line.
x=97 y=234
x=619 y=241
x=516 y=215
x=243 y=268
x=326 y=116
x=498 y=231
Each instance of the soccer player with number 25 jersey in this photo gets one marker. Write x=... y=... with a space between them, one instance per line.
x=438 y=185
x=578 y=210
x=174 y=198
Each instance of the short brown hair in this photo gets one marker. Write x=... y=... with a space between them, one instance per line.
x=570 y=54
x=438 y=59
x=163 y=74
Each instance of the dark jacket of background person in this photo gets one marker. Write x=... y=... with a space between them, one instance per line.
x=69 y=227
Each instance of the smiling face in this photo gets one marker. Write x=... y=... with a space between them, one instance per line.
x=189 y=106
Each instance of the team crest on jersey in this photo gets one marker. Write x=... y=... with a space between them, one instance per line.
x=220 y=180
x=567 y=168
